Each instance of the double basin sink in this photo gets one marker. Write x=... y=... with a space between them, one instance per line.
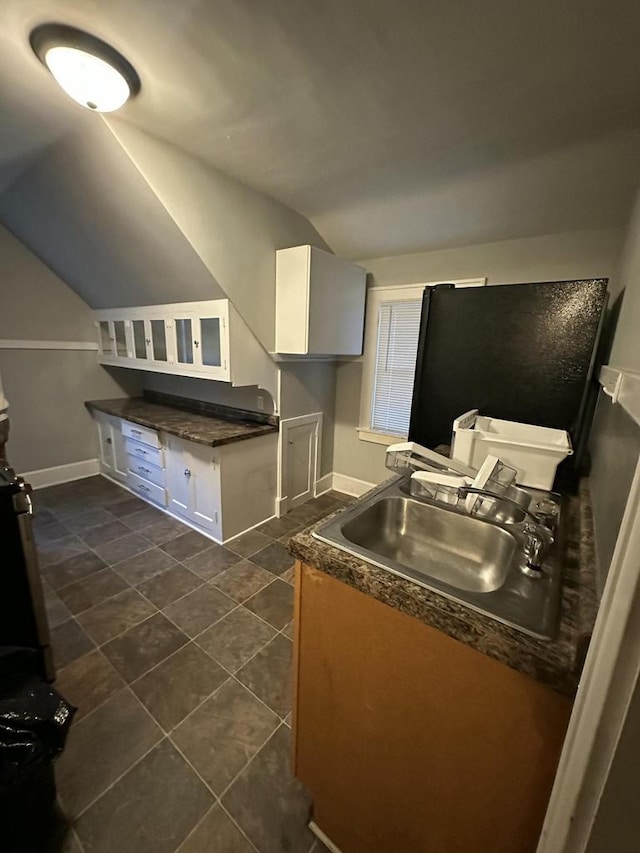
x=475 y=561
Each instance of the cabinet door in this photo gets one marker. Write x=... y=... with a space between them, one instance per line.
x=105 y=338
x=120 y=341
x=159 y=341
x=204 y=474
x=106 y=445
x=140 y=340
x=177 y=463
x=210 y=345
x=120 y=464
x=183 y=328
x=300 y=463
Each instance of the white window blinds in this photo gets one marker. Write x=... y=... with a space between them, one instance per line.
x=396 y=351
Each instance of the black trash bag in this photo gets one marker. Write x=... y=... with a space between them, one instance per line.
x=34 y=718
x=34 y=722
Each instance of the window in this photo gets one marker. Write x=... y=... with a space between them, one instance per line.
x=392 y=328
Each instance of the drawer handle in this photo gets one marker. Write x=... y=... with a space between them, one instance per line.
x=109 y=441
x=143 y=488
x=187 y=472
x=143 y=469
x=136 y=431
x=139 y=450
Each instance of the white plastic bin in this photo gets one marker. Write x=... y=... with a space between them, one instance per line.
x=535 y=452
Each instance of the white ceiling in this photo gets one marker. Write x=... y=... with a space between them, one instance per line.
x=394 y=126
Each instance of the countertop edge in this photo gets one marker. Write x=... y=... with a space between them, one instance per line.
x=253 y=431
x=557 y=663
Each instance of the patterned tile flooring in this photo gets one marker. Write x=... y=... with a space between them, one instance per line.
x=177 y=652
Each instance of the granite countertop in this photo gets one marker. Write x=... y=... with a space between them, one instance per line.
x=558 y=662
x=210 y=430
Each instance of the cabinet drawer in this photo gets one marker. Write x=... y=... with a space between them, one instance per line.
x=141 y=434
x=155 y=455
x=146 y=470
x=145 y=489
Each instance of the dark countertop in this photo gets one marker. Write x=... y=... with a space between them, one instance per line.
x=557 y=663
x=203 y=429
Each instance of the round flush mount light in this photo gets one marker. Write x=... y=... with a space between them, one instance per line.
x=89 y=70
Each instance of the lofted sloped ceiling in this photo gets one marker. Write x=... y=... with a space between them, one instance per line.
x=393 y=126
x=85 y=210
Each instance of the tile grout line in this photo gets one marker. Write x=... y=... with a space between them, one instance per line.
x=130 y=767
x=249 y=762
x=99 y=647
x=236 y=824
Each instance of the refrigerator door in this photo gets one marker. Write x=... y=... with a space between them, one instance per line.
x=520 y=352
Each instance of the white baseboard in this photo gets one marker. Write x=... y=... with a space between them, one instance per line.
x=324 y=484
x=350 y=485
x=328 y=843
x=62 y=473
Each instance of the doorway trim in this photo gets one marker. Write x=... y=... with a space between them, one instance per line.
x=609 y=678
x=315 y=418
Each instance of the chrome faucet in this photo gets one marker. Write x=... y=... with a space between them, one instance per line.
x=538 y=537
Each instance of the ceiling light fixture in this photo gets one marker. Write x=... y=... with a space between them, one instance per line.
x=89 y=70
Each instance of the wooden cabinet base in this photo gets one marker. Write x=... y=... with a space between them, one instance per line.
x=410 y=741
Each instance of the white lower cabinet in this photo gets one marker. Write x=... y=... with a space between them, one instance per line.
x=113 y=456
x=147 y=489
x=221 y=491
x=193 y=483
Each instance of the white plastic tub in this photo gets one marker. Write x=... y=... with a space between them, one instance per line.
x=535 y=452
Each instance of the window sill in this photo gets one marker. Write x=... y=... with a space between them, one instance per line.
x=365 y=434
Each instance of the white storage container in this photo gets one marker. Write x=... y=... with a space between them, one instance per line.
x=535 y=452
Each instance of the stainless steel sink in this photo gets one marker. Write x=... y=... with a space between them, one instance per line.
x=473 y=561
x=458 y=550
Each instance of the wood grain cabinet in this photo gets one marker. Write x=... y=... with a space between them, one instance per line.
x=410 y=741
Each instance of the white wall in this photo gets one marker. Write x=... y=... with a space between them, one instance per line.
x=47 y=389
x=552 y=258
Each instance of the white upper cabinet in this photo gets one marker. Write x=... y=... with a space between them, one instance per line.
x=320 y=303
x=189 y=338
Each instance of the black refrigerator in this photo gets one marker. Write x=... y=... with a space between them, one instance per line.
x=520 y=352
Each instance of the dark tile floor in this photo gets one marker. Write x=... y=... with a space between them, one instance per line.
x=177 y=652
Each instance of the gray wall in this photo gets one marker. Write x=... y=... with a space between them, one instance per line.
x=128 y=220
x=307 y=387
x=84 y=208
x=47 y=388
x=615 y=438
x=222 y=393
x=556 y=257
x=616 y=828
x=233 y=229
x=616 y=449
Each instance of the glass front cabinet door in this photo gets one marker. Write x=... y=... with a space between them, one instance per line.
x=141 y=340
x=105 y=338
x=199 y=340
x=189 y=339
